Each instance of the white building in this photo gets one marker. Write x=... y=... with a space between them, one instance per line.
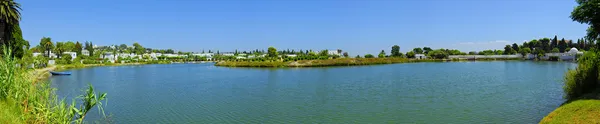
x=110 y=56
x=334 y=52
x=72 y=54
x=207 y=55
x=291 y=55
x=36 y=54
x=420 y=56
x=569 y=55
x=85 y=52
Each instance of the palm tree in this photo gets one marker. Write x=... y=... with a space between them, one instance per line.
x=10 y=16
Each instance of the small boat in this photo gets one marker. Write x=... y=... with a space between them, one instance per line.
x=60 y=73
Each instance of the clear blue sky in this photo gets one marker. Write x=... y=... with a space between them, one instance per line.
x=356 y=26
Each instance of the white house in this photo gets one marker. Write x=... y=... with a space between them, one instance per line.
x=85 y=52
x=334 y=52
x=110 y=56
x=73 y=55
x=240 y=57
x=207 y=55
x=420 y=56
x=291 y=55
x=36 y=54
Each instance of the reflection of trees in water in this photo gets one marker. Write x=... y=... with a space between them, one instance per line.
x=269 y=95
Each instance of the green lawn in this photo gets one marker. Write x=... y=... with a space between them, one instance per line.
x=578 y=112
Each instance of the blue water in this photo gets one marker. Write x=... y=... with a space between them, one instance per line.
x=455 y=92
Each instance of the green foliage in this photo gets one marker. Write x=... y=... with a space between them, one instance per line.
x=69 y=46
x=555 y=50
x=345 y=54
x=60 y=48
x=46 y=45
x=410 y=54
x=515 y=47
x=22 y=99
x=139 y=49
x=508 y=50
x=90 y=48
x=381 y=54
x=525 y=51
x=587 y=13
x=324 y=53
x=357 y=56
x=78 y=48
x=418 y=50
x=426 y=50
x=438 y=54
x=67 y=58
x=562 y=45
x=369 y=56
x=396 y=51
x=272 y=52
x=584 y=79
x=90 y=100
x=314 y=63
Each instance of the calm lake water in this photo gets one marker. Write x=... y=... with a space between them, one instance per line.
x=455 y=92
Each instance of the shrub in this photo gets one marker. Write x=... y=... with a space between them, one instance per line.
x=584 y=79
x=553 y=58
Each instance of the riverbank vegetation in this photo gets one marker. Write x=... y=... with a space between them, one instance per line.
x=24 y=100
x=582 y=88
x=318 y=62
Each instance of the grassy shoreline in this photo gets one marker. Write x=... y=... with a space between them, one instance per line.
x=336 y=62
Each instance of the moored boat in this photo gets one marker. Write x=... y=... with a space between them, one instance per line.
x=60 y=73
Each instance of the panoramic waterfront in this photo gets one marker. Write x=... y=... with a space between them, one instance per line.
x=458 y=92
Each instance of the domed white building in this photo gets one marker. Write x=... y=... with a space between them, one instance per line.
x=573 y=51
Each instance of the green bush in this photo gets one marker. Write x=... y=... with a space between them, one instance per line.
x=584 y=79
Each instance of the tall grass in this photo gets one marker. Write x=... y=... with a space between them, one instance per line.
x=23 y=101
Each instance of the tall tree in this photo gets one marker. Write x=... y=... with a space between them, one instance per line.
x=515 y=47
x=345 y=54
x=587 y=13
x=545 y=44
x=78 y=48
x=138 y=49
x=507 y=50
x=122 y=47
x=381 y=54
x=272 y=52
x=396 y=51
x=10 y=16
x=59 y=49
x=554 y=42
x=562 y=45
x=89 y=46
x=426 y=50
x=69 y=46
x=410 y=54
x=46 y=45
x=418 y=50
